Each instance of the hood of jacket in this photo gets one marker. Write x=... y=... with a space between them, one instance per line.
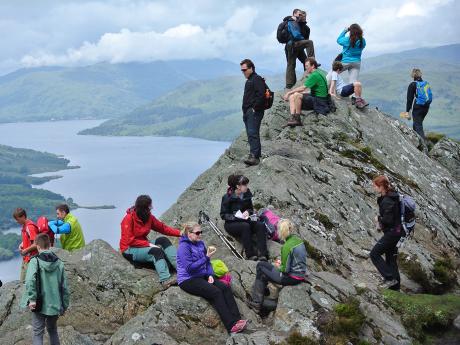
x=48 y=261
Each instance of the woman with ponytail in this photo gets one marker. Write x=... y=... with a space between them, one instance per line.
x=353 y=46
x=239 y=198
x=389 y=222
x=136 y=247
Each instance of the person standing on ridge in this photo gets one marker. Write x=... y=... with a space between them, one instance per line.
x=253 y=109
x=353 y=45
x=29 y=231
x=389 y=222
x=68 y=226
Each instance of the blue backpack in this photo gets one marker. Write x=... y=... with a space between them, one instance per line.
x=423 y=94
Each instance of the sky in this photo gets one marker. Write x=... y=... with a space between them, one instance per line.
x=80 y=32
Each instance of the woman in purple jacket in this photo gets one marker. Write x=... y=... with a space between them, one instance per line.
x=195 y=276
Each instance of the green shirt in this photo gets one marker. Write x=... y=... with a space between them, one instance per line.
x=317 y=83
x=75 y=239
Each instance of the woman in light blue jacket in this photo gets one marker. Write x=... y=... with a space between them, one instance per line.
x=353 y=45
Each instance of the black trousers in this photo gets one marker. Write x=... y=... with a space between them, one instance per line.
x=219 y=295
x=252 y=120
x=266 y=272
x=244 y=230
x=418 y=115
x=388 y=268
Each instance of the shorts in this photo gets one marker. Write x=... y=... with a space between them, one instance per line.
x=347 y=90
x=307 y=102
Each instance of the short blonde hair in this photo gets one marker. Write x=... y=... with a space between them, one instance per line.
x=416 y=73
x=188 y=227
x=285 y=228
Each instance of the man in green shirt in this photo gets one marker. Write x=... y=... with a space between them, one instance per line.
x=313 y=95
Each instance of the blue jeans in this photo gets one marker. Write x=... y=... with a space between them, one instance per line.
x=252 y=120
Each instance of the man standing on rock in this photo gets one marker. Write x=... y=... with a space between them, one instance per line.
x=29 y=231
x=253 y=109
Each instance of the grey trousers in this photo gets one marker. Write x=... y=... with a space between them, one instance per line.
x=39 y=322
x=353 y=69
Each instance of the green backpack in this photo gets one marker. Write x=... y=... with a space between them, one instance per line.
x=219 y=268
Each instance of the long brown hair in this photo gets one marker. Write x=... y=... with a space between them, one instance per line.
x=383 y=181
x=356 y=34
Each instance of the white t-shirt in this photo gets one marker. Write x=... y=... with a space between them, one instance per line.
x=339 y=82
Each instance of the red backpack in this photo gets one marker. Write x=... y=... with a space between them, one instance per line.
x=43 y=228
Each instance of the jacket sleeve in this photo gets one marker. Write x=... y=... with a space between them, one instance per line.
x=343 y=40
x=163 y=228
x=259 y=93
x=387 y=216
x=410 y=95
x=192 y=267
x=31 y=278
x=59 y=227
x=209 y=270
x=65 y=290
x=293 y=29
x=127 y=233
x=225 y=212
x=287 y=269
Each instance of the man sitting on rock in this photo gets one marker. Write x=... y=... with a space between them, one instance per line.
x=299 y=98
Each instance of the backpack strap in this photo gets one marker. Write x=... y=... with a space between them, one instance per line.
x=402 y=208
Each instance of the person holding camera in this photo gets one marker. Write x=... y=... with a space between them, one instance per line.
x=353 y=45
x=46 y=293
x=240 y=221
x=196 y=277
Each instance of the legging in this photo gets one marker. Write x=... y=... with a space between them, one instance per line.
x=244 y=230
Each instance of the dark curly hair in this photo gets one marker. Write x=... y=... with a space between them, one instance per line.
x=142 y=207
x=356 y=34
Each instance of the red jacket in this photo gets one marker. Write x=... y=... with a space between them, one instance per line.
x=134 y=232
x=28 y=233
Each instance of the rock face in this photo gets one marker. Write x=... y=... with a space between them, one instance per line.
x=319 y=176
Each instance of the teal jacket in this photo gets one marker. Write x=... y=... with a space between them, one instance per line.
x=350 y=54
x=53 y=280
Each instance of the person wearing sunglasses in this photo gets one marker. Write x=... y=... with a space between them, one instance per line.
x=238 y=213
x=136 y=247
x=196 y=277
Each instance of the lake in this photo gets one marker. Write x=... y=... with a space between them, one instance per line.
x=114 y=171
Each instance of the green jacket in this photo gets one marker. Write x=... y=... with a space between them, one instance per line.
x=74 y=240
x=293 y=256
x=53 y=280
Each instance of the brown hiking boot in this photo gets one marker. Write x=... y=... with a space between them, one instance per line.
x=252 y=160
x=169 y=282
x=294 y=120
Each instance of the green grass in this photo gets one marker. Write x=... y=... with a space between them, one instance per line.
x=295 y=338
x=444 y=272
x=423 y=314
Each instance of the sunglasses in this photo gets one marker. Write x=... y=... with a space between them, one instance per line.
x=198 y=233
x=244 y=69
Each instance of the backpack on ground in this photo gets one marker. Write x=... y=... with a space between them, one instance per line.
x=282 y=34
x=268 y=96
x=43 y=227
x=271 y=220
x=423 y=94
x=219 y=267
x=407 y=206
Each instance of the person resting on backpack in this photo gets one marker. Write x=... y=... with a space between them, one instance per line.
x=136 y=247
x=238 y=199
x=196 y=277
x=68 y=227
x=29 y=231
x=291 y=270
x=418 y=100
x=317 y=99
x=389 y=222
x=339 y=88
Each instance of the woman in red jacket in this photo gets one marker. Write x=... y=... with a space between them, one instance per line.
x=135 y=246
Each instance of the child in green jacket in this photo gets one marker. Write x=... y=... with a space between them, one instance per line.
x=46 y=293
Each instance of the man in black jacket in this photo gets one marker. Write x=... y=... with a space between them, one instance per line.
x=253 y=109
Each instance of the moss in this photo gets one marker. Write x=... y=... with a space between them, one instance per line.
x=422 y=314
x=296 y=338
x=323 y=219
x=413 y=269
x=364 y=342
x=444 y=272
x=257 y=206
x=340 y=136
x=312 y=252
x=434 y=137
x=338 y=240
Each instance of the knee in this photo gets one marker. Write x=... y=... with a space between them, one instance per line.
x=157 y=253
x=357 y=84
x=163 y=242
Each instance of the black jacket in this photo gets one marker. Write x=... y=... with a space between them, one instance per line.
x=254 y=93
x=304 y=30
x=411 y=91
x=231 y=204
x=390 y=213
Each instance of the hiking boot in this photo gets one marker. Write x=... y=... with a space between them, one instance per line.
x=360 y=103
x=239 y=326
x=254 y=305
x=294 y=120
x=353 y=100
x=252 y=160
x=168 y=283
x=387 y=284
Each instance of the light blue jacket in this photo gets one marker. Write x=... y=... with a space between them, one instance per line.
x=350 y=54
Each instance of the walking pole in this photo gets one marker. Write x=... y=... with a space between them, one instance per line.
x=204 y=218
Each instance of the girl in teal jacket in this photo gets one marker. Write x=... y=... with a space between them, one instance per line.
x=353 y=45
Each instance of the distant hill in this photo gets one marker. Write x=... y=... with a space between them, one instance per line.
x=209 y=109
x=98 y=91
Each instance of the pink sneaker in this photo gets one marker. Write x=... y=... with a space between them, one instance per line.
x=239 y=326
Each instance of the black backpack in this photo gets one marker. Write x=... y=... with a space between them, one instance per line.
x=268 y=96
x=282 y=34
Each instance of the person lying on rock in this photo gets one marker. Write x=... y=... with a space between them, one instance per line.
x=196 y=277
x=291 y=270
x=136 y=247
x=68 y=227
x=240 y=221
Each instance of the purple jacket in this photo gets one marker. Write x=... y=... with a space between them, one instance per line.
x=192 y=261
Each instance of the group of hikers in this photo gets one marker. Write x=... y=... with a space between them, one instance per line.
x=46 y=292
x=319 y=88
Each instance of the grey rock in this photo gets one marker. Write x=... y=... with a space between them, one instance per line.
x=456 y=322
x=447 y=152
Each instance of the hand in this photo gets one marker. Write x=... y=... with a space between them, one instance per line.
x=20 y=247
x=210 y=252
x=211 y=280
x=32 y=305
x=245 y=214
x=286 y=97
x=277 y=263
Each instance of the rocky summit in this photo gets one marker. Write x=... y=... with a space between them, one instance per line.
x=319 y=176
